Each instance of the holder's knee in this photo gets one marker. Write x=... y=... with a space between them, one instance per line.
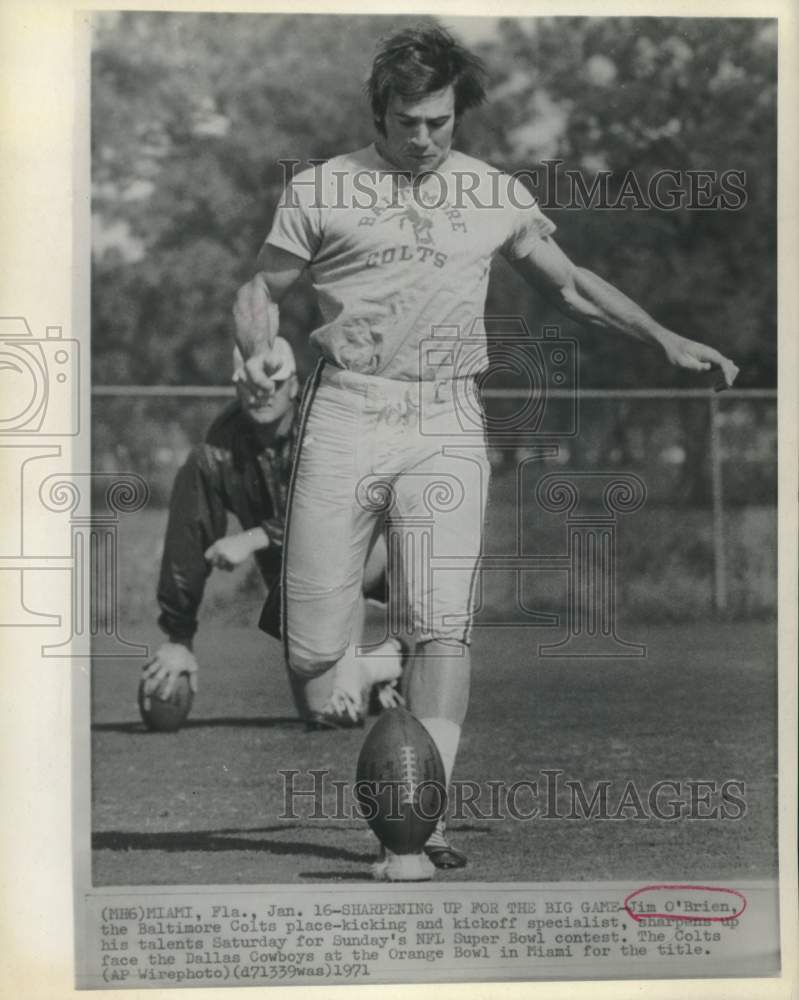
x=305 y=664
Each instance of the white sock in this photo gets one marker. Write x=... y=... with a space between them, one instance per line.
x=383 y=663
x=446 y=735
x=348 y=674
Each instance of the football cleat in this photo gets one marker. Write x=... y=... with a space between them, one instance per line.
x=441 y=852
x=391 y=867
x=341 y=711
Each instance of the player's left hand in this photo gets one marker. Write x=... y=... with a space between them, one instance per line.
x=231 y=551
x=171 y=660
x=698 y=357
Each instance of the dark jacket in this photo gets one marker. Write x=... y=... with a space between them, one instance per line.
x=230 y=472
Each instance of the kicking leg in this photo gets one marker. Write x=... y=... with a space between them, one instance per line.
x=442 y=603
x=438 y=695
x=381 y=664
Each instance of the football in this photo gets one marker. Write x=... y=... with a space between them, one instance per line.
x=166 y=715
x=400 y=782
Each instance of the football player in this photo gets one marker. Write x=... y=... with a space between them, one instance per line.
x=398 y=239
x=243 y=468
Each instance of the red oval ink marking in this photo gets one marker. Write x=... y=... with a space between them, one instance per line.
x=638 y=917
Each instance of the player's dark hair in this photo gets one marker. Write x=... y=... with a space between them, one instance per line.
x=420 y=61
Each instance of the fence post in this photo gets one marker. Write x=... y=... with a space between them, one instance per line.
x=719 y=553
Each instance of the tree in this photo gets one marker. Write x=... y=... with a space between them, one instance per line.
x=634 y=96
x=192 y=114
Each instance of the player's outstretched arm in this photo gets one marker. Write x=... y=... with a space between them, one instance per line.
x=255 y=311
x=584 y=296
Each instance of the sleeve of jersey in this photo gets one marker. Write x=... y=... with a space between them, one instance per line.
x=274 y=529
x=197 y=518
x=528 y=222
x=297 y=224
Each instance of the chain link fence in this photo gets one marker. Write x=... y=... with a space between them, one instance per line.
x=703 y=543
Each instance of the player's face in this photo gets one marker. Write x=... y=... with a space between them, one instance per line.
x=418 y=132
x=270 y=407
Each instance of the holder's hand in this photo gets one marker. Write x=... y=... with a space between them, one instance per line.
x=231 y=551
x=161 y=673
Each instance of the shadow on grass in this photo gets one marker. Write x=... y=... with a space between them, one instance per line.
x=222 y=722
x=224 y=840
x=339 y=877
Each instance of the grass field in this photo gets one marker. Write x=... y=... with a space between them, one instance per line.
x=664 y=565
x=202 y=806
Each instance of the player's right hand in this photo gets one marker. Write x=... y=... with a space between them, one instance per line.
x=161 y=673
x=257 y=319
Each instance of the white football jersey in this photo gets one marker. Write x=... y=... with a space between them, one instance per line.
x=401 y=264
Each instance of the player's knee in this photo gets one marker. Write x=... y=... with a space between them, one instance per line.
x=442 y=639
x=307 y=664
